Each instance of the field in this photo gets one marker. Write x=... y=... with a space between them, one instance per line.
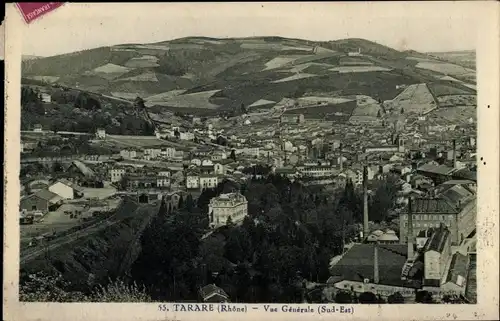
x=147 y=76
x=459 y=114
x=463 y=58
x=133 y=141
x=45 y=79
x=445 y=68
x=334 y=112
x=349 y=69
x=196 y=100
x=366 y=106
x=279 y=62
x=457 y=100
x=143 y=62
x=414 y=99
x=439 y=89
x=294 y=77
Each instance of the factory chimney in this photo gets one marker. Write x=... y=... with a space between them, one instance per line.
x=410 y=229
x=376 y=277
x=365 y=202
x=454 y=153
x=341 y=162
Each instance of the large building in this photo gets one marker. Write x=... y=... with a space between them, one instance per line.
x=456 y=211
x=66 y=189
x=231 y=205
x=43 y=201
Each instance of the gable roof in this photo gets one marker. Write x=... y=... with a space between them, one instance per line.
x=70 y=184
x=211 y=290
x=430 y=206
x=84 y=169
x=48 y=196
x=436 y=169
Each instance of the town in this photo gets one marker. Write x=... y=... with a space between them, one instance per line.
x=257 y=182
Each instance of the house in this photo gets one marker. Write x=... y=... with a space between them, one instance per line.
x=46 y=98
x=43 y=201
x=219 y=169
x=455 y=281
x=163 y=181
x=438 y=173
x=192 y=181
x=196 y=161
x=152 y=153
x=213 y=294
x=208 y=181
x=66 y=189
x=128 y=153
x=225 y=206
x=168 y=152
x=100 y=133
x=37 y=128
x=186 y=136
x=116 y=174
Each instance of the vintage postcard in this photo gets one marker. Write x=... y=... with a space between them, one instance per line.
x=180 y=161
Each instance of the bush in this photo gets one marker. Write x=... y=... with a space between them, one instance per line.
x=119 y=291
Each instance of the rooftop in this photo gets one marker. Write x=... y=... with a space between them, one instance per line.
x=436 y=169
x=437 y=240
x=210 y=290
x=430 y=205
x=357 y=264
x=458 y=269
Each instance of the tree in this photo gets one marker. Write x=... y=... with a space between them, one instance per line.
x=229 y=221
x=233 y=155
x=395 y=298
x=189 y=202
x=123 y=184
x=343 y=297
x=177 y=134
x=181 y=202
x=57 y=167
x=424 y=297
x=367 y=298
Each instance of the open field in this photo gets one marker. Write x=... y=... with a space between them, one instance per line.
x=133 y=141
x=45 y=79
x=457 y=100
x=348 y=69
x=445 y=68
x=147 y=76
x=294 y=77
x=414 y=99
x=143 y=62
x=280 y=62
x=459 y=114
x=366 y=106
x=197 y=100
x=439 y=89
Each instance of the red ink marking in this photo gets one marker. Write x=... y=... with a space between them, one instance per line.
x=34 y=10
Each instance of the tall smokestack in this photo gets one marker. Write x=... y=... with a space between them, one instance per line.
x=376 y=277
x=341 y=163
x=365 y=202
x=410 y=229
x=454 y=153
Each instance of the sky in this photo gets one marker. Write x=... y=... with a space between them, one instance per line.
x=425 y=27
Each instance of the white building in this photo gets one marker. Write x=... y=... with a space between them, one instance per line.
x=128 y=153
x=164 y=173
x=37 y=128
x=233 y=205
x=168 y=152
x=116 y=174
x=192 y=181
x=100 y=133
x=186 y=136
x=208 y=181
x=163 y=181
x=219 y=169
x=196 y=161
x=65 y=189
x=152 y=152
x=46 y=98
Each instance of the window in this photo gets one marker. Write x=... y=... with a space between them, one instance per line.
x=414 y=216
x=406 y=224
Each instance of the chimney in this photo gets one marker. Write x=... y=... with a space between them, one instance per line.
x=375 y=264
x=454 y=153
x=365 y=202
x=410 y=229
x=341 y=163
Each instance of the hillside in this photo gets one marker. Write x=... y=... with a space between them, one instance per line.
x=100 y=256
x=208 y=76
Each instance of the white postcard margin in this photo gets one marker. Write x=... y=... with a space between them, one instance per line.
x=488 y=189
